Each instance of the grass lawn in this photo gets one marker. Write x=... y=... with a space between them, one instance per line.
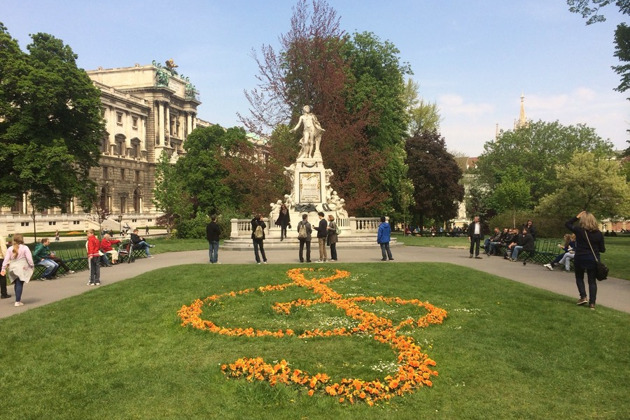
x=615 y=257
x=505 y=351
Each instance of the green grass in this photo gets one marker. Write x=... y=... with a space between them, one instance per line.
x=506 y=350
x=615 y=257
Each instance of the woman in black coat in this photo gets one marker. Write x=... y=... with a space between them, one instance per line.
x=586 y=231
x=283 y=221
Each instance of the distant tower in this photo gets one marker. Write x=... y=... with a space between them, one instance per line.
x=522 y=119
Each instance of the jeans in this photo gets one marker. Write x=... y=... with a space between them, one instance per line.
x=283 y=231
x=51 y=267
x=308 y=250
x=515 y=251
x=95 y=270
x=258 y=244
x=333 y=251
x=214 y=251
x=386 y=251
x=144 y=245
x=590 y=267
x=18 y=285
x=566 y=260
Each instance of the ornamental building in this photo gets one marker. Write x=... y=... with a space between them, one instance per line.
x=148 y=110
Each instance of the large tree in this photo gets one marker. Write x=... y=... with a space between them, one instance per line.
x=589 y=182
x=535 y=152
x=50 y=124
x=589 y=9
x=435 y=176
x=354 y=85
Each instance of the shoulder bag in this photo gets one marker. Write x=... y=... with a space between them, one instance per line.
x=602 y=270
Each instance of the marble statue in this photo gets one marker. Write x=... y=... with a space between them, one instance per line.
x=311 y=133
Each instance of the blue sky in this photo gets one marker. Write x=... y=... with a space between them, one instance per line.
x=472 y=58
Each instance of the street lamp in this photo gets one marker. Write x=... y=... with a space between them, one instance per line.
x=120 y=217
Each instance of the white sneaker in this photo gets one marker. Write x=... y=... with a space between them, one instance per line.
x=71 y=272
x=548 y=266
x=19 y=304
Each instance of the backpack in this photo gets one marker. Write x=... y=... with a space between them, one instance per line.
x=302 y=231
x=258 y=233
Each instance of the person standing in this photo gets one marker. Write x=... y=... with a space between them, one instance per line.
x=475 y=236
x=332 y=237
x=3 y=279
x=56 y=236
x=322 y=233
x=258 y=237
x=20 y=266
x=589 y=242
x=213 y=234
x=383 y=237
x=305 y=230
x=283 y=220
x=94 y=258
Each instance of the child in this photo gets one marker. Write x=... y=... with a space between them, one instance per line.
x=93 y=246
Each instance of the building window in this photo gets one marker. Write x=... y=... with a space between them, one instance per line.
x=119 y=118
x=134 y=123
x=105 y=173
x=24 y=223
x=123 y=204
x=52 y=223
x=122 y=174
x=76 y=222
x=138 y=179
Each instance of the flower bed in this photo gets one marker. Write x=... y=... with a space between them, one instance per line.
x=415 y=368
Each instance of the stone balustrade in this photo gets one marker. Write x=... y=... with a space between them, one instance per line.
x=242 y=228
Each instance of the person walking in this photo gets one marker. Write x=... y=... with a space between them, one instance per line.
x=18 y=265
x=475 y=236
x=305 y=230
x=589 y=243
x=94 y=258
x=213 y=233
x=283 y=220
x=322 y=233
x=258 y=237
x=383 y=237
x=332 y=237
x=3 y=279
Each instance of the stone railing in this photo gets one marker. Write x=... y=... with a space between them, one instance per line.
x=242 y=228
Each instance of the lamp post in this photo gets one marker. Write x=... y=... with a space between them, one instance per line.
x=120 y=223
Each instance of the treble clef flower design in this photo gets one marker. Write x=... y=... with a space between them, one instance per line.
x=415 y=368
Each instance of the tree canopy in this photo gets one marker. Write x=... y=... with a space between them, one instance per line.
x=354 y=84
x=435 y=176
x=50 y=123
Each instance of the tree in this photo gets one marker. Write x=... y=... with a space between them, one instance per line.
x=50 y=124
x=354 y=85
x=589 y=182
x=435 y=176
x=423 y=116
x=535 y=152
x=512 y=194
x=590 y=9
x=169 y=194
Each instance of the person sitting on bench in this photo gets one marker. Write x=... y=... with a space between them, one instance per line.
x=140 y=243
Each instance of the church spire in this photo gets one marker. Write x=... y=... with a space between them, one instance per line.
x=522 y=119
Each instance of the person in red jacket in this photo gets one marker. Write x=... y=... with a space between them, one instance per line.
x=106 y=247
x=94 y=258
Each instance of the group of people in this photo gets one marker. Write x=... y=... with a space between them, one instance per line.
x=583 y=246
x=327 y=237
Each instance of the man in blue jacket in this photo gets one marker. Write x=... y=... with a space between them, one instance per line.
x=383 y=238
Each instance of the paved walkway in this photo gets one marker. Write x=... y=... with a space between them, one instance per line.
x=613 y=293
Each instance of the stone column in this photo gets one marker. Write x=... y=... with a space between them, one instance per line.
x=188 y=123
x=168 y=121
x=161 y=141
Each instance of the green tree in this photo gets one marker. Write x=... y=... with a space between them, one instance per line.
x=589 y=9
x=536 y=151
x=169 y=195
x=512 y=194
x=589 y=182
x=355 y=86
x=423 y=116
x=50 y=124
x=435 y=176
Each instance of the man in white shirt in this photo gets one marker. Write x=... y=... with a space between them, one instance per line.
x=475 y=236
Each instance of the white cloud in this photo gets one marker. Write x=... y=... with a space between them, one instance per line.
x=452 y=105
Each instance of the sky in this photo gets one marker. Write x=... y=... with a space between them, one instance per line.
x=474 y=59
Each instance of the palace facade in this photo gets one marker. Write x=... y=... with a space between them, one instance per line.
x=148 y=111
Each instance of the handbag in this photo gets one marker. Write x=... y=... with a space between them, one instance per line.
x=602 y=269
